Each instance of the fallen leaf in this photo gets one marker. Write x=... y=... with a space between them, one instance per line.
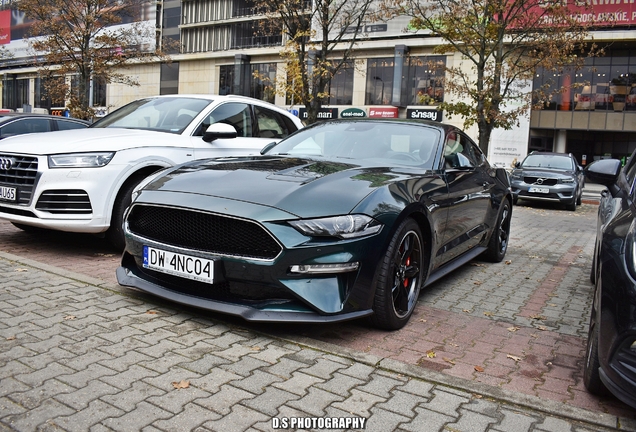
x=476 y=264
x=477 y=396
x=422 y=320
x=11 y=338
x=479 y=368
x=256 y=348
x=467 y=310
x=181 y=385
x=447 y=360
x=537 y=317
x=69 y=317
x=515 y=358
x=551 y=304
x=21 y=270
x=151 y=312
x=477 y=283
x=453 y=344
x=513 y=329
x=489 y=314
x=508 y=262
x=542 y=328
x=430 y=354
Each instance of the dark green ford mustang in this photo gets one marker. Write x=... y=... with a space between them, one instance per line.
x=341 y=220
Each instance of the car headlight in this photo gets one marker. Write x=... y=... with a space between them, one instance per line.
x=345 y=227
x=567 y=180
x=80 y=160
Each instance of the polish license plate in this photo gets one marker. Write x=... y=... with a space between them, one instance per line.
x=8 y=193
x=539 y=190
x=177 y=264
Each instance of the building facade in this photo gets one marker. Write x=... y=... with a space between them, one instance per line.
x=393 y=75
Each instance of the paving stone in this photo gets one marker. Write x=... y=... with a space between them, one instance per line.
x=93 y=413
x=226 y=398
x=239 y=419
x=143 y=415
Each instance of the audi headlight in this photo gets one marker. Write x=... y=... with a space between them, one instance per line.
x=345 y=227
x=80 y=160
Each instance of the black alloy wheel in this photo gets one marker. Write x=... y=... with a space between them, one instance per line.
x=399 y=277
x=498 y=244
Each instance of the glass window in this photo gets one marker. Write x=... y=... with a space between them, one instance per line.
x=425 y=80
x=379 y=81
x=42 y=95
x=340 y=88
x=15 y=93
x=99 y=92
x=68 y=125
x=226 y=79
x=169 y=81
x=235 y=114
x=271 y=124
x=263 y=82
x=24 y=126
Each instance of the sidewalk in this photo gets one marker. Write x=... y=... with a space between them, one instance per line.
x=490 y=348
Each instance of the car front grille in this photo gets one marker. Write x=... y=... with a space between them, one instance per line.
x=544 y=182
x=203 y=231
x=64 y=201
x=22 y=174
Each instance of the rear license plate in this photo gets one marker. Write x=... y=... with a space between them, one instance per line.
x=539 y=190
x=8 y=193
x=186 y=266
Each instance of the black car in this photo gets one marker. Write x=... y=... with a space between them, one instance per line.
x=341 y=220
x=23 y=123
x=610 y=362
x=547 y=176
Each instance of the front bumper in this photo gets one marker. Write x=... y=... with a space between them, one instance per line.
x=75 y=200
x=562 y=193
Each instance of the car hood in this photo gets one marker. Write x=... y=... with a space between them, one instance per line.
x=86 y=140
x=299 y=186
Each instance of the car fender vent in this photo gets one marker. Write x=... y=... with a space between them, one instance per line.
x=203 y=231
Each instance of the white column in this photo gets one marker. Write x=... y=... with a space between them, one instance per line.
x=560 y=141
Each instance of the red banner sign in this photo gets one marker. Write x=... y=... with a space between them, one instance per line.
x=383 y=112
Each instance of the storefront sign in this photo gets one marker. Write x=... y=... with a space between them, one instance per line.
x=424 y=114
x=353 y=113
x=323 y=114
x=383 y=112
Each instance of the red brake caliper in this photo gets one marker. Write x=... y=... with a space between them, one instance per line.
x=408 y=263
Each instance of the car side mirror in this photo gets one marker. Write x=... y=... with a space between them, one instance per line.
x=517 y=164
x=605 y=172
x=219 y=131
x=268 y=147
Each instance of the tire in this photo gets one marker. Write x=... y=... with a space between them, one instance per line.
x=571 y=206
x=579 y=200
x=591 y=368
x=115 y=234
x=498 y=243
x=399 y=277
x=593 y=267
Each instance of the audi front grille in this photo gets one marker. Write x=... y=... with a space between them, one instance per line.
x=19 y=172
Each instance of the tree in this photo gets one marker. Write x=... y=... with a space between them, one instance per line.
x=320 y=38
x=88 y=39
x=505 y=42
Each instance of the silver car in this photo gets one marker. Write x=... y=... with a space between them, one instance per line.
x=546 y=176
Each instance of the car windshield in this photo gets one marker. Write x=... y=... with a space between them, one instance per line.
x=378 y=142
x=171 y=114
x=548 y=161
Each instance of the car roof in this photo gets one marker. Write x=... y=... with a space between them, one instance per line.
x=550 y=153
x=213 y=97
x=5 y=116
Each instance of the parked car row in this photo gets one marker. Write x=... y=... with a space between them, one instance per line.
x=229 y=204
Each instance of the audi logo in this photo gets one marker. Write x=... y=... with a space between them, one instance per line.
x=6 y=163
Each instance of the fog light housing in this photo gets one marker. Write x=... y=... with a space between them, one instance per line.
x=324 y=268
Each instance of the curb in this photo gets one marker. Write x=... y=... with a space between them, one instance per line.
x=553 y=408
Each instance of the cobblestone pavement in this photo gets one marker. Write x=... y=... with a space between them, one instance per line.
x=491 y=348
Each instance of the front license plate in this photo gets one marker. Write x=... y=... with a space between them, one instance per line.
x=189 y=267
x=8 y=193
x=539 y=190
